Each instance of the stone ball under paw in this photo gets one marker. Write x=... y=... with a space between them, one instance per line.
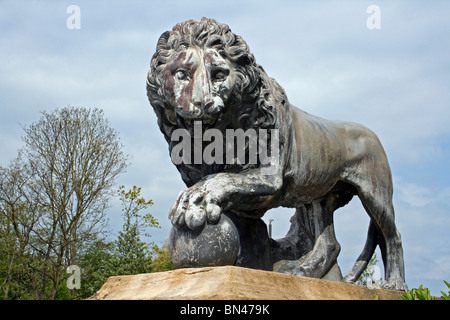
x=216 y=245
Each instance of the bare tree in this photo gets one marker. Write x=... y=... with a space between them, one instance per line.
x=70 y=161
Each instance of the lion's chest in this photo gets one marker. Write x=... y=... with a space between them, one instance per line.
x=297 y=191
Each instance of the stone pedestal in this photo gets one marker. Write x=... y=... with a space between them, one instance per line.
x=233 y=283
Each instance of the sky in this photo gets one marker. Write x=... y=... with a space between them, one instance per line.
x=394 y=79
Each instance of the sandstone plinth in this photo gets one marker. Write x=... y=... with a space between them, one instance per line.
x=233 y=283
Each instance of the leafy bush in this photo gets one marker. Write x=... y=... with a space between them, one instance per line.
x=422 y=293
x=418 y=294
x=446 y=296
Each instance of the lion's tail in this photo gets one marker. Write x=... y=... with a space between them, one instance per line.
x=365 y=256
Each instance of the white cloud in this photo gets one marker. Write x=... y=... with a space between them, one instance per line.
x=416 y=195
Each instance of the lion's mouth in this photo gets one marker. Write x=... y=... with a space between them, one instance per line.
x=188 y=123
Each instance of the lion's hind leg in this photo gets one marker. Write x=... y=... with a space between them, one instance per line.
x=314 y=226
x=374 y=189
x=381 y=212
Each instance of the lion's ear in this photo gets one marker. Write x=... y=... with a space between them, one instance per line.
x=162 y=42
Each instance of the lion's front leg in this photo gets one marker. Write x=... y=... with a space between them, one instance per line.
x=209 y=198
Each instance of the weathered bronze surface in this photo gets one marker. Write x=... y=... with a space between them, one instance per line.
x=203 y=74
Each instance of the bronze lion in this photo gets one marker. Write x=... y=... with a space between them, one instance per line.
x=202 y=71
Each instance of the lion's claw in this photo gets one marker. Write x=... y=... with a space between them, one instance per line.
x=195 y=217
x=194 y=207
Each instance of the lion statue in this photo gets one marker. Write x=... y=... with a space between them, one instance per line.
x=203 y=72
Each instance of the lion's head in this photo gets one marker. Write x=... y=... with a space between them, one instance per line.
x=203 y=71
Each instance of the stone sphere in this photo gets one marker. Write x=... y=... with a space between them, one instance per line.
x=215 y=245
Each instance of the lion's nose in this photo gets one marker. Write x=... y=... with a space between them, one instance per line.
x=199 y=106
x=203 y=104
x=197 y=110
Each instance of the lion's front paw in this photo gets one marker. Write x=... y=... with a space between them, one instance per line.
x=195 y=206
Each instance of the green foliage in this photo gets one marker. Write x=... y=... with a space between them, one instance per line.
x=53 y=199
x=446 y=296
x=422 y=293
x=98 y=258
x=367 y=277
x=161 y=259
x=132 y=204
x=128 y=254
x=132 y=255
x=418 y=294
x=96 y=263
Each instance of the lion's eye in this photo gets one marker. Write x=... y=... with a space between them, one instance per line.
x=181 y=74
x=220 y=74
